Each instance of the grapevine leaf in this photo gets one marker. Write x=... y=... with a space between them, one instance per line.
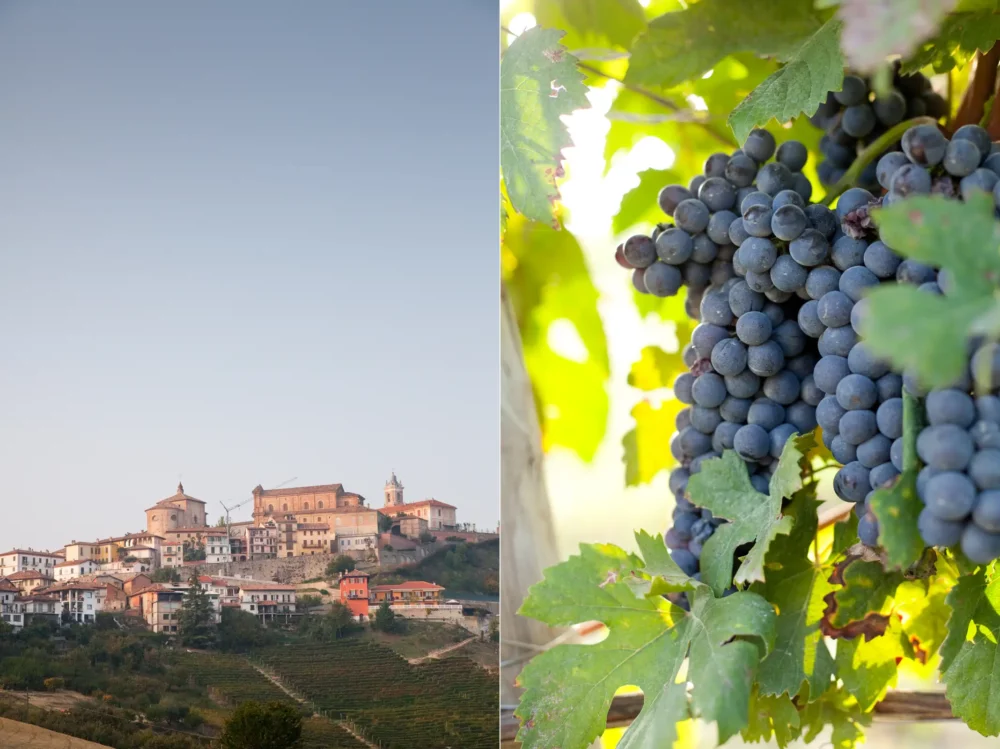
x=925 y=615
x=845 y=535
x=796 y=585
x=868 y=667
x=682 y=45
x=876 y=29
x=838 y=709
x=815 y=69
x=613 y=21
x=660 y=574
x=970 y=653
x=897 y=509
x=644 y=454
x=545 y=273
x=927 y=334
x=961 y=236
x=960 y=37
x=639 y=205
x=569 y=688
x=861 y=605
x=723 y=486
x=772 y=716
x=539 y=83
x=921 y=332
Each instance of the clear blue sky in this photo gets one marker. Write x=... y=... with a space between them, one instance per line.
x=243 y=241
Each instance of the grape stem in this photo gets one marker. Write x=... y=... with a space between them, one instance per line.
x=653 y=97
x=872 y=152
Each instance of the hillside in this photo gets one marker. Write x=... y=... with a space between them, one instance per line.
x=17 y=735
x=470 y=568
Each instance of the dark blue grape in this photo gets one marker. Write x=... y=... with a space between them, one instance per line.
x=766 y=359
x=856 y=281
x=984 y=469
x=950 y=406
x=729 y=357
x=709 y=390
x=724 y=435
x=843 y=452
x=863 y=362
x=853 y=91
x=938 y=532
x=735 y=409
x=851 y=483
x=779 y=436
x=757 y=220
x=924 y=145
x=787 y=275
x=662 y=280
x=828 y=414
x=718 y=226
x=705 y=420
x=946 y=447
x=980 y=546
x=976 y=135
x=858 y=120
x=848 y=252
x=809 y=321
x=868 y=529
x=889 y=386
x=830 y=370
x=753 y=328
x=802 y=186
x=671 y=196
x=682 y=387
x=875 y=451
x=890 y=108
x=741 y=170
x=802 y=416
x=834 y=309
x=910 y=271
x=742 y=299
x=788 y=222
x=792 y=154
x=858 y=426
x=639 y=251
x=810 y=392
x=888 y=165
x=759 y=145
x=692 y=216
x=737 y=232
x=981 y=180
x=715 y=165
x=852 y=199
x=881 y=261
x=717 y=194
x=889 y=417
x=744 y=385
x=674 y=246
x=705 y=336
x=760 y=281
x=782 y=388
x=882 y=475
x=988 y=408
x=774 y=177
x=961 y=158
x=765 y=413
x=950 y=495
x=758 y=254
x=822 y=280
x=752 y=442
x=856 y=392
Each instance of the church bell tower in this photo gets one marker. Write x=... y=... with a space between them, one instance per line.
x=393 y=492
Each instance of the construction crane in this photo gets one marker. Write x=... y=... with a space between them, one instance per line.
x=230 y=508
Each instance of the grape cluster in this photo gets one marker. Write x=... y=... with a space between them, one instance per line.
x=696 y=250
x=750 y=384
x=855 y=117
x=959 y=447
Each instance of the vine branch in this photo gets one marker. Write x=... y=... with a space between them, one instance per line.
x=873 y=151
x=982 y=83
x=654 y=97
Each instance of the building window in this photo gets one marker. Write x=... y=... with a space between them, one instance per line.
x=270 y=508
x=284 y=507
x=320 y=506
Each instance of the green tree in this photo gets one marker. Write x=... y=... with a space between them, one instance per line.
x=240 y=631
x=384 y=523
x=427 y=537
x=194 y=553
x=271 y=725
x=494 y=631
x=341 y=563
x=306 y=602
x=165 y=575
x=385 y=619
x=197 y=616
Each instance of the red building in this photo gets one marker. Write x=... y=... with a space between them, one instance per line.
x=354 y=592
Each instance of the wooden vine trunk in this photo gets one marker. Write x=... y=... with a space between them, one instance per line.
x=527 y=538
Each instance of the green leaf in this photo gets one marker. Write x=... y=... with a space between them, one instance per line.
x=845 y=535
x=868 y=667
x=639 y=205
x=925 y=612
x=614 y=21
x=960 y=37
x=545 y=273
x=835 y=708
x=644 y=446
x=679 y=46
x=539 y=83
x=897 y=509
x=962 y=236
x=772 y=717
x=865 y=594
x=970 y=653
x=876 y=29
x=660 y=573
x=723 y=486
x=815 y=69
x=920 y=332
x=797 y=586
x=569 y=688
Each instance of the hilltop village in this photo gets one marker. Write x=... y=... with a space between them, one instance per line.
x=144 y=576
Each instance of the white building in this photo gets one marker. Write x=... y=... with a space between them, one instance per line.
x=77 y=550
x=160 y=606
x=19 y=560
x=172 y=554
x=217 y=547
x=10 y=611
x=65 y=571
x=267 y=601
x=82 y=601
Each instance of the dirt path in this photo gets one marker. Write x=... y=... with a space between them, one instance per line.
x=273 y=678
x=17 y=735
x=441 y=651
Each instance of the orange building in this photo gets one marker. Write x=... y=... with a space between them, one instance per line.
x=354 y=592
x=412 y=591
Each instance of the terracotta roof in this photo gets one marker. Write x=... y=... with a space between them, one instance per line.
x=29 y=551
x=7 y=586
x=356 y=573
x=409 y=585
x=291 y=491
x=277 y=515
x=266 y=586
x=180 y=495
x=38 y=598
x=81 y=543
x=28 y=575
x=393 y=509
x=77 y=586
x=139 y=548
x=193 y=529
